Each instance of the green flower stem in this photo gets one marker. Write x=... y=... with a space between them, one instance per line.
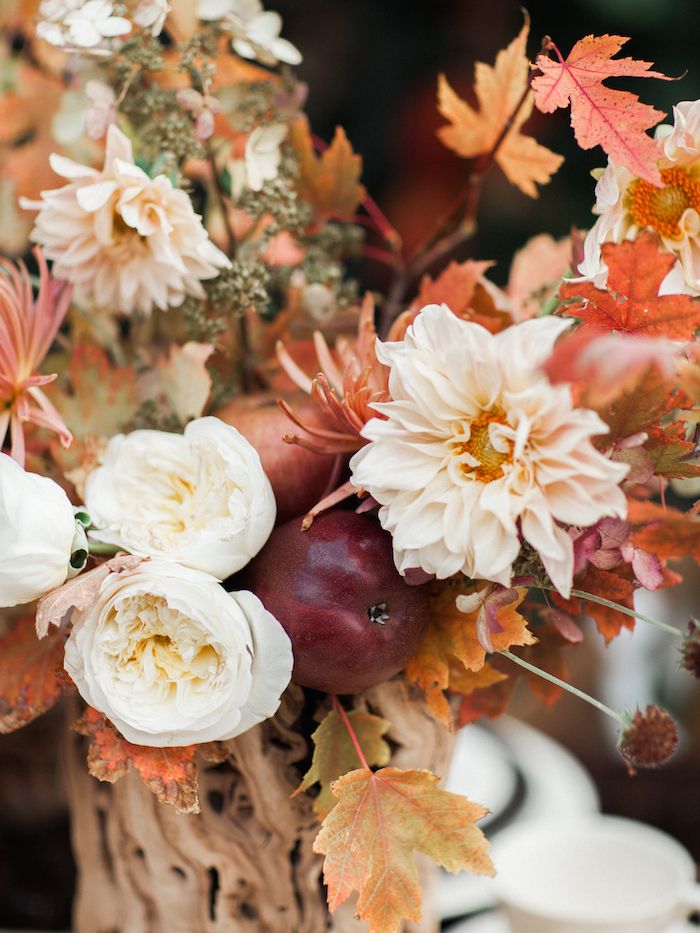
x=103 y=550
x=563 y=684
x=670 y=629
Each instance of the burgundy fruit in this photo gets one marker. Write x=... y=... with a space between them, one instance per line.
x=352 y=619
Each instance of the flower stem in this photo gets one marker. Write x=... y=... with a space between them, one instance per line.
x=591 y=597
x=563 y=684
x=351 y=732
x=98 y=548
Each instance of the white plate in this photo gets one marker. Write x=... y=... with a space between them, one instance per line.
x=497 y=923
x=486 y=764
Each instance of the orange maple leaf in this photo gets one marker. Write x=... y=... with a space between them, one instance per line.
x=461 y=287
x=31 y=674
x=630 y=304
x=169 y=773
x=614 y=585
x=329 y=182
x=450 y=645
x=370 y=835
x=674 y=535
x=600 y=116
x=499 y=90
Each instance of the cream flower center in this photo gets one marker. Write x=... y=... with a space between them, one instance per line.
x=662 y=208
x=153 y=645
x=483 y=456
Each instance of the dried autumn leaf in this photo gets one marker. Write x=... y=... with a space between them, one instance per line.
x=370 y=835
x=452 y=636
x=630 y=304
x=181 y=379
x=335 y=754
x=169 y=773
x=462 y=287
x=329 y=182
x=675 y=535
x=56 y=607
x=600 y=116
x=614 y=585
x=31 y=674
x=670 y=453
x=499 y=89
x=642 y=406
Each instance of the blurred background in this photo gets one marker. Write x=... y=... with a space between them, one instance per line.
x=372 y=67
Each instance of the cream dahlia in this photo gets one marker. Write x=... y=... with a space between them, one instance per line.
x=125 y=240
x=477 y=452
x=626 y=204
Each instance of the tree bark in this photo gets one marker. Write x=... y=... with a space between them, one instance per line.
x=245 y=864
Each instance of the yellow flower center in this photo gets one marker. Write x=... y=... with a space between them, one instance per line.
x=662 y=208
x=490 y=460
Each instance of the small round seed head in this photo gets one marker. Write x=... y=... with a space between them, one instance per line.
x=690 y=651
x=649 y=738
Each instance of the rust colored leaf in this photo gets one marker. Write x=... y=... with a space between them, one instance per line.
x=335 y=754
x=499 y=89
x=450 y=645
x=56 y=607
x=614 y=585
x=674 y=535
x=370 y=836
x=169 y=773
x=670 y=452
x=600 y=116
x=642 y=406
x=461 y=287
x=631 y=304
x=31 y=674
x=329 y=182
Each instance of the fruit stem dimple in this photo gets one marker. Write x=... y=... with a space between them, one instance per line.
x=378 y=613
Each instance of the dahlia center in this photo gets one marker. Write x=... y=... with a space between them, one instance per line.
x=480 y=458
x=662 y=208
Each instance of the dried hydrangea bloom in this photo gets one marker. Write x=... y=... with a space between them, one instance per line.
x=128 y=242
x=478 y=451
x=255 y=33
x=27 y=330
x=626 y=204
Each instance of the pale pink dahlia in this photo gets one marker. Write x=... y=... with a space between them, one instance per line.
x=125 y=240
x=478 y=452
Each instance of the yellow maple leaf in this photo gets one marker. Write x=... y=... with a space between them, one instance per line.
x=499 y=89
x=370 y=835
x=329 y=182
x=450 y=648
x=335 y=753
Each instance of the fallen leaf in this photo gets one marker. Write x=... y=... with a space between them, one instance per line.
x=630 y=303
x=335 y=754
x=31 y=674
x=169 y=773
x=499 y=89
x=370 y=835
x=56 y=607
x=329 y=182
x=600 y=116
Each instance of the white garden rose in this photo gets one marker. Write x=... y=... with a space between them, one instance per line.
x=200 y=498
x=172 y=659
x=37 y=529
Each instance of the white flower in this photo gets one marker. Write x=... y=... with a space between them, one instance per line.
x=151 y=15
x=477 y=451
x=254 y=33
x=172 y=659
x=73 y=24
x=37 y=528
x=626 y=204
x=103 y=112
x=200 y=498
x=125 y=240
x=261 y=159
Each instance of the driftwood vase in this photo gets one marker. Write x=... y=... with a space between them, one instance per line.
x=245 y=863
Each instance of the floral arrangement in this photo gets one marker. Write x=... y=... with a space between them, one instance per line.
x=459 y=481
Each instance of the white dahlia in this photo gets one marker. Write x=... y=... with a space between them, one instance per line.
x=627 y=204
x=125 y=240
x=477 y=452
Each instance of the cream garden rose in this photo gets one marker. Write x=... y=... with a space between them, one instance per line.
x=37 y=529
x=200 y=498
x=477 y=451
x=172 y=659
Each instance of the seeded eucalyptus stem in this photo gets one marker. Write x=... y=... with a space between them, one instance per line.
x=545 y=675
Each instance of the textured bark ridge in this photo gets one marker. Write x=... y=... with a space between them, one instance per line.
x=245 y=863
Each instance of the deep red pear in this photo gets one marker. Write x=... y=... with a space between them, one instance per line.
x=352 y=619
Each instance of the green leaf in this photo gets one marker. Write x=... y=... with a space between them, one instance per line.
x=335 y=754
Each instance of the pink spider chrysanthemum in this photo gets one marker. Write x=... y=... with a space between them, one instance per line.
x=27 y=330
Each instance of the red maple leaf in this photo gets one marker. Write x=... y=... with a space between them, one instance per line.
x=600 y=116
x=631 y=304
